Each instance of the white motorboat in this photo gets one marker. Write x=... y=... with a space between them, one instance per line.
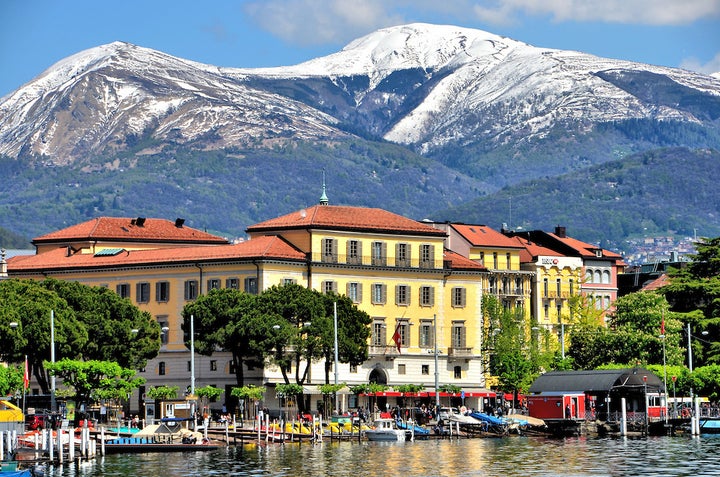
x=385 y=429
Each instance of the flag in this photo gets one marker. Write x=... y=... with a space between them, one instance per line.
x=396 y=337
x=662 y=325
x=26 y=376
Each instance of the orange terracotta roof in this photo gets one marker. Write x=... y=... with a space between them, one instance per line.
x=531 y=251
x=583 y=248
x=335 y=217
x=459 y=262
x=121 y=229
x=266 y=247
x=484 y=236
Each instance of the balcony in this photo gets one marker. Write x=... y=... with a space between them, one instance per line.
x=458 y=352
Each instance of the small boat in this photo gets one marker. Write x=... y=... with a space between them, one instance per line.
x=141 y=445
x=386 y=429
x=709 y=425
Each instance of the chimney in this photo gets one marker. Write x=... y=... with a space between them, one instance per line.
x=179 y=222
x=140 y=221
x=560 y=231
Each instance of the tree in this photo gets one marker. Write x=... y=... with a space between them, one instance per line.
x=509 y=354
x=298 y=334
x=694 y=293
x=29 y=304
x=95 y=380
x=248 y=394
x=353 y=332
x=11 y=380
x=163 y=392
x=207 y=394
x=117 y=330
x=230 y=320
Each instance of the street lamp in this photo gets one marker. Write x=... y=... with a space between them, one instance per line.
x=53 y=405
x=694 y=421
x=335 y=365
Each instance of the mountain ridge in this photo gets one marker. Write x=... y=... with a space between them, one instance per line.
x=473 y=112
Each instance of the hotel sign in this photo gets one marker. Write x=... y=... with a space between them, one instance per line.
x=559 y=262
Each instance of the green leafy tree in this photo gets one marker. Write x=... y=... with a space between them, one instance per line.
x=117 y=329
x=29 y=304
x=94 y=380
x=329 y=390
x=249 y=394
x=694 y=293
x=353 y=332
x=510 y=356
x=162 y=392
x=298 y=318
x=11 y=380
x=230 y=320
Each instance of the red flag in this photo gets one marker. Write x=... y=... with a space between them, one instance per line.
x=662 y=325
x=26 y=376
x=396 y=337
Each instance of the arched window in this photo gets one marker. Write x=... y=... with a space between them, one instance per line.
x=606 y=276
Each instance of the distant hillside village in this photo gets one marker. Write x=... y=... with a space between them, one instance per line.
x=421 y=282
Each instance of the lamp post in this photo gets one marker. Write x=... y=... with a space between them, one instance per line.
x=335 y=365
x=694 y=420
x=192 y=355
x=53 y=404
x=646 y=404
x=674 y=398
x=437 y=376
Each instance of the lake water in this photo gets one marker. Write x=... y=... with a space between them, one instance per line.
x=522 y=456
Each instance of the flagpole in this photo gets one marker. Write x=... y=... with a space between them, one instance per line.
x=26 y=378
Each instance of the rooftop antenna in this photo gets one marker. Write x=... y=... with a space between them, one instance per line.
x=323 y=197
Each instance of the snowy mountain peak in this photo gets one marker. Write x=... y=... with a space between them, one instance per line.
x=414 y=46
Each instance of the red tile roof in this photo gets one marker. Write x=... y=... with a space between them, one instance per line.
x=659 y=282
x=334 y=217
x=121 y=229
x=531 y=251
x=585 y=250
x=267 y=247
x=458 y=262
x=484 y=236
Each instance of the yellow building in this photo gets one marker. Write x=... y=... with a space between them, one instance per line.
x=394 y=268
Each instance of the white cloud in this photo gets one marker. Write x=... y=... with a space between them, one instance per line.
x=308 y=22
x=693 y=64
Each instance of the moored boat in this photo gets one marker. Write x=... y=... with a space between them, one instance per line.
x=385 y=429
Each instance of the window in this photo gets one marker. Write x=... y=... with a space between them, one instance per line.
x=232 y=283
x=427 y=296
x=142 y=292
x=213 y=283
x=354 y=291
x=402 y=255
x=505 y=285
x=379 y=254
x=508 y=261
x=251 y=285
x=426 y=339
x=518 y=286
x=379 y=293
x=329 y=286
x=191 y=289
x=354 y=252
x=329 y=250
x=457 y=372
x=353 y=369
x=162 y=292
x=402 y=294
x=492 y=284
x=546 y=310
x=606 y=276
x=161 y=368
x=546 y=287
x=123 y=290
x=558 y=287
x=189 y=366
x=403 y=329
x=213 y=365
x=495 y=260
x=427 y=256
x=378 y=333
x=458 y=335
x=425 y=370
x=289 y=281
x=401 y=369
x=231 y=367
x=458 y=297
x=571 y=284
x=588 y=276
x=559 y=309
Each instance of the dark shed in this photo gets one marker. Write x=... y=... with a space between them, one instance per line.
x=597 y=381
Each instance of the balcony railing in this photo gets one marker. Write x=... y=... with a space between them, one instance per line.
x=459 y=352
x=369 y=260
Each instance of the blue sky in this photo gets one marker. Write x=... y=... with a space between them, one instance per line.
x=34 y=34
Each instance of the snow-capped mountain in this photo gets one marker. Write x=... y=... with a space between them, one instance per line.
x=424 y=86
x=401 y=118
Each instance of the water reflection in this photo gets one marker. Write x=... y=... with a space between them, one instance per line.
x=469 y=457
